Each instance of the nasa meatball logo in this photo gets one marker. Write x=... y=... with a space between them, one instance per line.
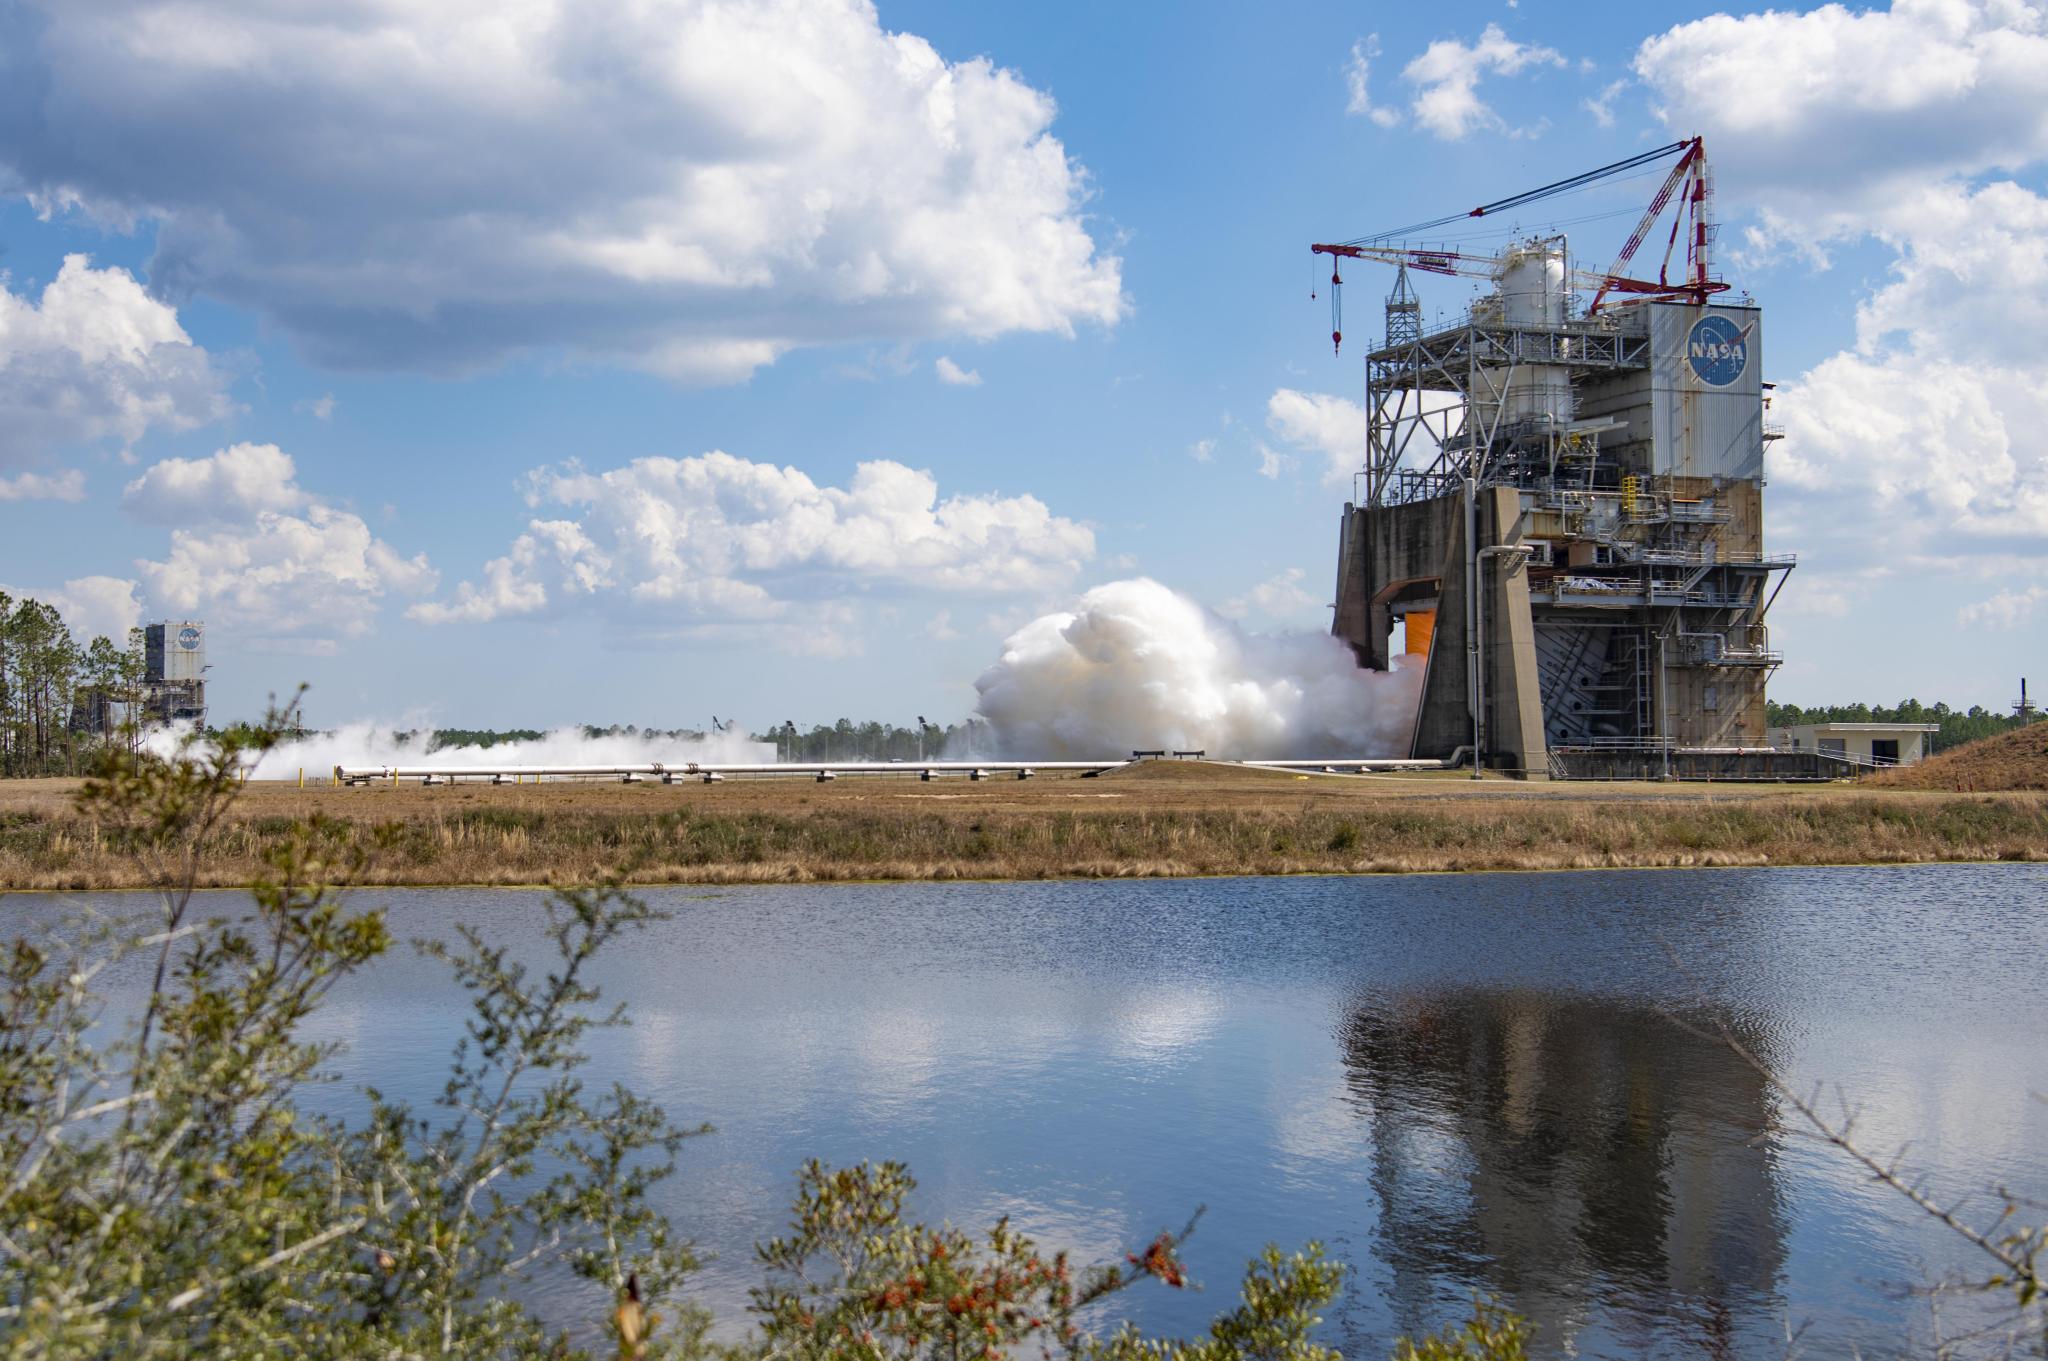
x=188 y=638
x=1717 y=350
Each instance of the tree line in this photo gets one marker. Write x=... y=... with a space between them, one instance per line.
x=847 y=740
x=60 y=703
x=1957 y=726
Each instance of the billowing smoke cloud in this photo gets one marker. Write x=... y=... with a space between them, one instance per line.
x=1136 y=665
x=377 y=744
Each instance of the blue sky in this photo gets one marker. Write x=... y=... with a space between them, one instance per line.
x=373 y=302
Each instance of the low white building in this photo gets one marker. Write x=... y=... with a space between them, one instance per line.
x=1880 y=744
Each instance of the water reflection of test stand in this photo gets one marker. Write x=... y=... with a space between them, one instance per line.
x=1591 y=1164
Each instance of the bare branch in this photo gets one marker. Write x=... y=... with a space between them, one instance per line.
x=186 y=1299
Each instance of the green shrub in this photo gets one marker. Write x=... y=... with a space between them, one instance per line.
x=1491 y=1334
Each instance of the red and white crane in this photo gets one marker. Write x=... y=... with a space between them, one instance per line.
x=1688 y=185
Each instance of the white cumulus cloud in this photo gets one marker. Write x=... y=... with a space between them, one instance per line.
x=955 y=376
x=1833 y=109
x=1333 y=427
x=1601 y=106
x=235 y=483
x=1447 y=77
x=693 y=187
x=1948 y=455
x=65 y=486
x=94 y=357
x=263 y=558
x=1357 y=76
x=2005 y=610
x=720 y=537
x=93 y=607
x=1971 y=277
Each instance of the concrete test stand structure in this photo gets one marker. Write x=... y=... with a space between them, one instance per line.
x=174 y=672
x=1564 y=509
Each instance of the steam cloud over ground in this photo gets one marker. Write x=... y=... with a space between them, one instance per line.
x=1137 y=665
x=1134 y=665
x=377 y=744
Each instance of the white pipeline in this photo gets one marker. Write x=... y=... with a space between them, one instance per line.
x=670 y=772
x=824 y=770
x=1343 y=763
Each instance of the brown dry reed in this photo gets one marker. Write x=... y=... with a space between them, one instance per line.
x=573 y=834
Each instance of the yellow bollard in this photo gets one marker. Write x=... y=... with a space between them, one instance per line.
x=302 y=777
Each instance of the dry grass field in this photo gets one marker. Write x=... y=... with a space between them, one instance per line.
x=1158 y=819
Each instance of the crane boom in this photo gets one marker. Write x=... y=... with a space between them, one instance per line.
x=1462 y=264
x=1688 y=175
x=1691 y=166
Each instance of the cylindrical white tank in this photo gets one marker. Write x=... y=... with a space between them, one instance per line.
x=1533 y=293
x=1531 y=283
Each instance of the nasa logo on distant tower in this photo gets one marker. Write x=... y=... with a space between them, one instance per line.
x=1717 y=350
x=188 y=638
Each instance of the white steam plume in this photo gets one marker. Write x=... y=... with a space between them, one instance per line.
x=1136 y=665
x=376 y=744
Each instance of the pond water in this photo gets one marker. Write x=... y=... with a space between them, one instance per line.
x=1457 y=1083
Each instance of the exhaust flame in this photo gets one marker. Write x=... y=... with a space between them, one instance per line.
x=1136 y=665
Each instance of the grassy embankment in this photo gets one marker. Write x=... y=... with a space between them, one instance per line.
x=1156 y=820
x=2009 y=760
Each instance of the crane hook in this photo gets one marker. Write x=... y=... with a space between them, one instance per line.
x=1336 y=307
